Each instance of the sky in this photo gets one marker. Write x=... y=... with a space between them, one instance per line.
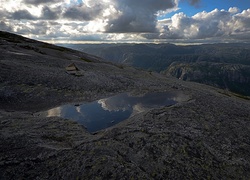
x=126 y=21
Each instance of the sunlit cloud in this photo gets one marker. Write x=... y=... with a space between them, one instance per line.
x=121 y=21
x=214 y=24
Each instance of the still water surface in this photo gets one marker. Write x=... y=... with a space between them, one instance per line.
x=107 y=112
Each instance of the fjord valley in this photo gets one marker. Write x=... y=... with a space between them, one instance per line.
x=203 y=133
x=223 y=65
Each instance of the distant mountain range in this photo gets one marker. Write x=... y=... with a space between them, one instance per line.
x=221 y=65
x=158 y=57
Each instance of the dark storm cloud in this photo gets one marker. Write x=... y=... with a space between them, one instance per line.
x=82 y=12
x=132 y=23
x=44 y=29
x=5 y=27
x=40 y=27
x=22 y=14
x=49 y=14
x=153 y=5
x=37 y=2
x=4 y=14
x=136 y=16
x=46 y=13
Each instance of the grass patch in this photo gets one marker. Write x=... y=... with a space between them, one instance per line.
x=224 y=93
x=86 y=60
x=230 y=94
x=241 y=96
x=119 y=66
x=58 y=48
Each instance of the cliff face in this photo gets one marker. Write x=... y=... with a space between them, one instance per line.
x=233 y=77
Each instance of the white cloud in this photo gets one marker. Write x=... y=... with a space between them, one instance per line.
x=118 y=20
x=233 y=10
x=214 y=24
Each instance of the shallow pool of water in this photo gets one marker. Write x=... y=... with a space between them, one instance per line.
x=107 y=112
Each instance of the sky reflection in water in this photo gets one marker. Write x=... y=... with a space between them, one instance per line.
x=107 y=112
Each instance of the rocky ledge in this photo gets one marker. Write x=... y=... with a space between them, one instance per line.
x=204 y=137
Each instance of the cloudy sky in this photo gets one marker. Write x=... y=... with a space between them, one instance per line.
x=176 y=21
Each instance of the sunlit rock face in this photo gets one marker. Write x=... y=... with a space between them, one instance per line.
x=106 y=112
x=54 y=112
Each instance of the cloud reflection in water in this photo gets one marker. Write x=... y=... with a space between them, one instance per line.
x=106 y=112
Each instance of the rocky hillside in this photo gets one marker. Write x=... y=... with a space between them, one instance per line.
x=205 y=136
x=233 y=77
x=32 y=71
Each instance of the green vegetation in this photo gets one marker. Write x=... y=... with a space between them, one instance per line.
x=86 y=60
x=241 y=96
x=119 y=66
x=58 y=48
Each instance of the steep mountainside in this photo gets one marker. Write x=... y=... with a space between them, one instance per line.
x=203 y=136
x=233 y=77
